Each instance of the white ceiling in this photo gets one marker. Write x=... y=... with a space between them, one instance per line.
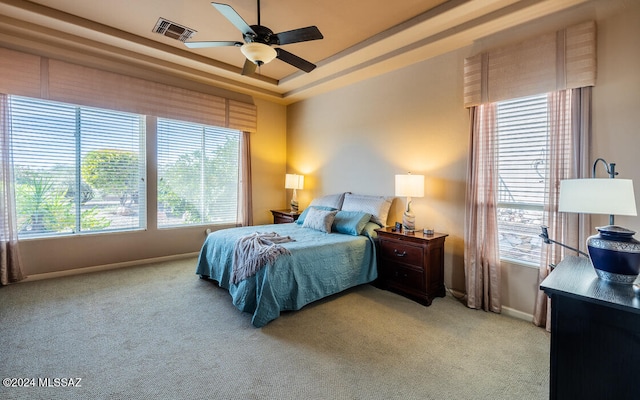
x=361 y=38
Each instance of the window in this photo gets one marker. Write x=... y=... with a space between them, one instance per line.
x=523 y=138
x=77 y=169
x=198 y=174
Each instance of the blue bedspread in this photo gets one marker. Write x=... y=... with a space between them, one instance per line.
x=320 y=264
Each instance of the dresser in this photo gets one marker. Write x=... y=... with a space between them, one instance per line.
x=284 y=216
x=411 y=264
x=595 y=334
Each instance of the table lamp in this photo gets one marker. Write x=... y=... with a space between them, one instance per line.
x=295 y=182
x=614 y=253
x=410 y=186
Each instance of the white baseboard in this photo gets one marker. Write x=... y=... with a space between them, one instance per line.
x=510 y=312
x=456 y=293
x=106 y=267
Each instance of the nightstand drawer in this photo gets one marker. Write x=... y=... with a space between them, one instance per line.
x=403 y=277
x=405 y=253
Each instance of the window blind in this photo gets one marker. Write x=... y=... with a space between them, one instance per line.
x=77 y=169
x=198 y=174
x=522 y=149
x=523 y=139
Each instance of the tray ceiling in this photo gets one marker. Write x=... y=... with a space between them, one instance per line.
x=361 y=38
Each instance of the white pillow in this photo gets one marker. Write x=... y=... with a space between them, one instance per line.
x=330 y=200
x=320 y=220
x=377 y=206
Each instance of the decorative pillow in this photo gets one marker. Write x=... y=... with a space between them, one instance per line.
x=331 y=200
x=303 y=216
x=320 y=220
x=377 y=206
x=350 y=222
x=370 y=230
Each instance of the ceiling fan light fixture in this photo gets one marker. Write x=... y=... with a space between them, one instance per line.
x=258 y=53
x=258 y=40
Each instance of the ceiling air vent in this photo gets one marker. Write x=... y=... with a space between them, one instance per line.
x=173 y=30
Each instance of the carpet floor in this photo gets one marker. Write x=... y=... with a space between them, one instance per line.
x=159 y=332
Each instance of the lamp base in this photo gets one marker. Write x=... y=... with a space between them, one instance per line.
x=294 y=201
x=615 y=254
x=408 y=222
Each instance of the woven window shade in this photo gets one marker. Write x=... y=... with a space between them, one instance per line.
x=75 y=84
x=20 y=73
x=562 y=60
x=50 y=79
x=242 y=116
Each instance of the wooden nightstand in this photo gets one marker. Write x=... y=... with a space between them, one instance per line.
x=284 y=216
x=412 y=264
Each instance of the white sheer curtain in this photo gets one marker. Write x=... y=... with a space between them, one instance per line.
x=570 y=134
x=10 y=265
x=569 y=143
x=481 y=255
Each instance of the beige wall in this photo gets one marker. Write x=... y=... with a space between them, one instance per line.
x=66 y=253
x=268 y=161
x=357 y=138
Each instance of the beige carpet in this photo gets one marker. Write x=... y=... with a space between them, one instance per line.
x=159 y=332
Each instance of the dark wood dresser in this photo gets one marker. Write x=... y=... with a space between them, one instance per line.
x=411 y=264
x=595 y=334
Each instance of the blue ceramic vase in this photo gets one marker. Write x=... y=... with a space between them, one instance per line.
x=615 y=254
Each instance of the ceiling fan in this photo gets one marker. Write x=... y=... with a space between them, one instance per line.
x=258 y=40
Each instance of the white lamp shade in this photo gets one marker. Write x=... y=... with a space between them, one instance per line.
x=293 y=181
x=410 y=185
x=597 y=196
x=259 y=53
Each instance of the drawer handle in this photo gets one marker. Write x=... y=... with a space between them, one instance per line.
x=404 y=253
x=401 y=275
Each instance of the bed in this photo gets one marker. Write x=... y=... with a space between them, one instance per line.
x=332 y=249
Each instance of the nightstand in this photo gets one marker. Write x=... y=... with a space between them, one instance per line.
x=411 y=264
x=284 y=216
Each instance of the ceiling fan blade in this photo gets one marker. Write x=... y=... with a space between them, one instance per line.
x=199 y=45
x=249 y=67
x=299 y=35
x=229 y=13
x=294 y=60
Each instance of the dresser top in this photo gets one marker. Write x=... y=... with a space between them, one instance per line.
x=575 y=277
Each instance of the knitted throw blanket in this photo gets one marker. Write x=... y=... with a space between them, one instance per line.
x=254 y=251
